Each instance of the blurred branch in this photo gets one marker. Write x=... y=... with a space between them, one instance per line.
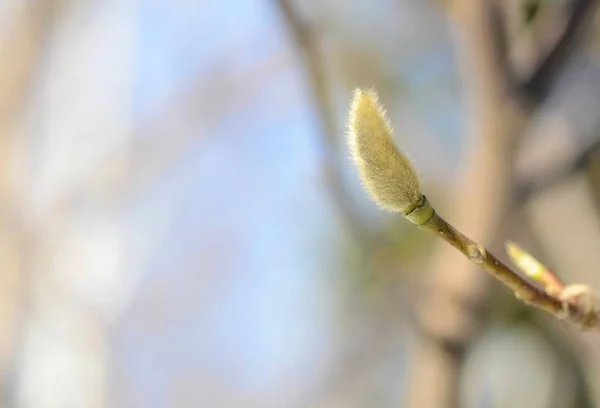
x=307 y=44
x=22 y=41
x=20 y=49
x=538 y=85
x=524 y=191
x=499 y=42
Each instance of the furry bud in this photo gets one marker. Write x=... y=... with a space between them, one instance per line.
x=385 y=171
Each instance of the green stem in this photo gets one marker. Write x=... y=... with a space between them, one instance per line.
x=425 y=217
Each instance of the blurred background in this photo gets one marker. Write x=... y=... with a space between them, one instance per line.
x=181 y=225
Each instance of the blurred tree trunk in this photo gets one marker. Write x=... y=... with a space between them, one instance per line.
x=22 y=39
x=450 y=311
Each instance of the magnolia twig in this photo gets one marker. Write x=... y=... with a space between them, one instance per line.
x=392 y=182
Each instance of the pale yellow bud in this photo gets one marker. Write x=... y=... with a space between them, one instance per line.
x=386 y=173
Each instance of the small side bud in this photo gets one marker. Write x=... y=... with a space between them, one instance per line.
x=534 y=269
x=386 y=173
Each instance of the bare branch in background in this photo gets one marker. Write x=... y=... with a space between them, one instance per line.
x=538 y=85
x=524 y=191
x=308 y=49
x=499 y=43
x=22 y=43
x=21 y=48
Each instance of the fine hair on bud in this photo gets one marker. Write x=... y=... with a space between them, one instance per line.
x=385 y=171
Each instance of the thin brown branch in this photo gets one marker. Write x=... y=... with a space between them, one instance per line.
x=307 y=45
x=576 y=303
x=486 y=260
x=539 y=84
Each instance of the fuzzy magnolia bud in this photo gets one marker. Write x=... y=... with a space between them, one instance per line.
x=386 y=173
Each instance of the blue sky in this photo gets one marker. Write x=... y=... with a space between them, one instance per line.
x=246 y=191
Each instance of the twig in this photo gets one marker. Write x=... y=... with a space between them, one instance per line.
x=477 y=254
x=576 y=303
x=393 y=184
